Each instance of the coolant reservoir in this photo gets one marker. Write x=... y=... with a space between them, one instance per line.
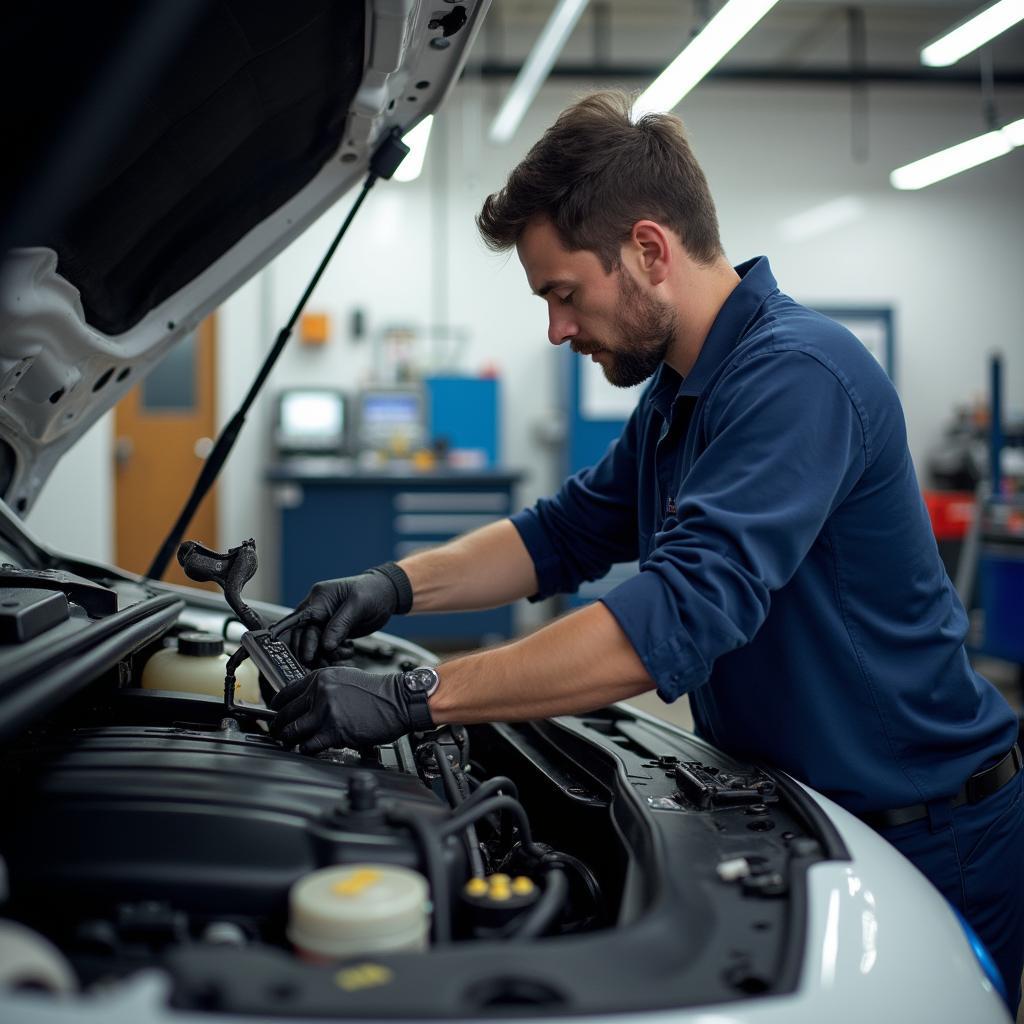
x=363 y=908
x=196 y=665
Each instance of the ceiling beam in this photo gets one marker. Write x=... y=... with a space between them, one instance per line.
x=795 y=75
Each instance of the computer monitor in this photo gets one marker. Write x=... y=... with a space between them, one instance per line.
x=392 y=418
x=311 y=421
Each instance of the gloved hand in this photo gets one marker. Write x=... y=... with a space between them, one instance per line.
x=346 y=707
x=334 y=610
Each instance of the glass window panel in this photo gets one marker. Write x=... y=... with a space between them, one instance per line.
x=172 y=384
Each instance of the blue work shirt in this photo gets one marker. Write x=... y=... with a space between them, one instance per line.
x=789 y=580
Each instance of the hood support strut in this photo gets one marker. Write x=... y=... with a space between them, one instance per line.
x=383 y=164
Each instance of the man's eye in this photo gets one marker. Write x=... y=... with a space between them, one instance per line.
x=566 y=299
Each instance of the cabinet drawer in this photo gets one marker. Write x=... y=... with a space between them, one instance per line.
x=451 y=501
x=439 y=525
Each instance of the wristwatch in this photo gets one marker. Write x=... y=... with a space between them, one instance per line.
x=420 y=684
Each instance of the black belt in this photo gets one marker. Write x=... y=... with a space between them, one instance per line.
x=976 y=788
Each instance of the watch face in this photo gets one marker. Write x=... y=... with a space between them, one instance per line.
x=421 y=680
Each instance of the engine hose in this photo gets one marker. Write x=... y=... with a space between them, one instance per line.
x=454 y=793
x=461 y=736
x=476 y=856
x=540 y=916
x=462 y=782
x=557 y=859
x=451 y=787
x=433 y=859
x=480 y=809
x=497 y=785
x=491 y=786
x=230 y=668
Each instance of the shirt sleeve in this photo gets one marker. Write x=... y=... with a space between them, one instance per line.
x=785 y=443
x=589 y=525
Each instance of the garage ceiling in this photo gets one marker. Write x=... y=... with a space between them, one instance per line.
x=630 y=38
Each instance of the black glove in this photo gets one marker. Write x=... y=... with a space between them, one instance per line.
x=334 y=610
x=346 y=707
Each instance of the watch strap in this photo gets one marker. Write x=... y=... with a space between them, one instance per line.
x=420 y=717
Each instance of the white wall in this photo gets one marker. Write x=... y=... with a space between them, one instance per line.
x=949 y=260
x=74 y=513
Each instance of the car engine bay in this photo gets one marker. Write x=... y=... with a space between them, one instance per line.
x=601 y=862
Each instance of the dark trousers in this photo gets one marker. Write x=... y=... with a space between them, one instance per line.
x=974 y=856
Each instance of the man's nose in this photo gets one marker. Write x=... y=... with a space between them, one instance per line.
x=561 y=328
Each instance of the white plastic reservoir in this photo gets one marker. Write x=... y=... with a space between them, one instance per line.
x=196 y=665
x=362 y=908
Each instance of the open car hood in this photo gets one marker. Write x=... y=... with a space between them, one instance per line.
x=230 y=142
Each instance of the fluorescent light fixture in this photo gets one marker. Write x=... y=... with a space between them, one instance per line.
x=701 y=54
x=825 y=217
x=409 y=169
x=532 y=74
x=973 y=32
x=961 y=157
x=1015 y=132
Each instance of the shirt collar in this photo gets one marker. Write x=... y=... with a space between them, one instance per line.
x=757 y=282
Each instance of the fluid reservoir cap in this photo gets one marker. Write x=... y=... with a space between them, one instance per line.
x=200 y=645
x=361 y=908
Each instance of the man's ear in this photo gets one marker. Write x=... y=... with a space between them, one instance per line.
x=650 y=249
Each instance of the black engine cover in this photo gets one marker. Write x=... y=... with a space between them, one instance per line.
x=210 y=822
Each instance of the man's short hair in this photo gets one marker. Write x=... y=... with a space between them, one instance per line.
x=594 y=173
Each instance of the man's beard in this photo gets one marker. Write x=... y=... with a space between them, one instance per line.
x=646 y=328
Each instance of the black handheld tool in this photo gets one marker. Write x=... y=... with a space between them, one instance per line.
x=231 y=571
x=272 y=657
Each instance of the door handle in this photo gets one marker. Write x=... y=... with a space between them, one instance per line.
x=124 y=449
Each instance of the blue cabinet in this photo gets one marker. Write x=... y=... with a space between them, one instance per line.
x=337 y=524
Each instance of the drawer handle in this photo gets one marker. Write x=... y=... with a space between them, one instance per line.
x=449 y=525
x=451 y=501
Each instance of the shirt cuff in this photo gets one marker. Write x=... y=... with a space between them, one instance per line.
x=649 y=616
x=546 y=562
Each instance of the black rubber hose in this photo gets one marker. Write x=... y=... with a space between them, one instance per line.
x=496 y=785
x=491 y=786
x=540 y=916
x=462 y=782
x=480 y=809
x=433 y=859
x=230 y=668
x=451 y=787
x=455 y=798
x=462 y=738
x=557 y=859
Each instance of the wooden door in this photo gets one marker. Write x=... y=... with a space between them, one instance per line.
x=163 y=430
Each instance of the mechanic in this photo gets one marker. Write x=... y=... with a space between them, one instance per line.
x=788 y=582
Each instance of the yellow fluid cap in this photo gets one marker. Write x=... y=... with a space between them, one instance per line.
x=499 y=879
x=500 y=894
x=476 y=887
x=362 y=908
x=522 y=886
